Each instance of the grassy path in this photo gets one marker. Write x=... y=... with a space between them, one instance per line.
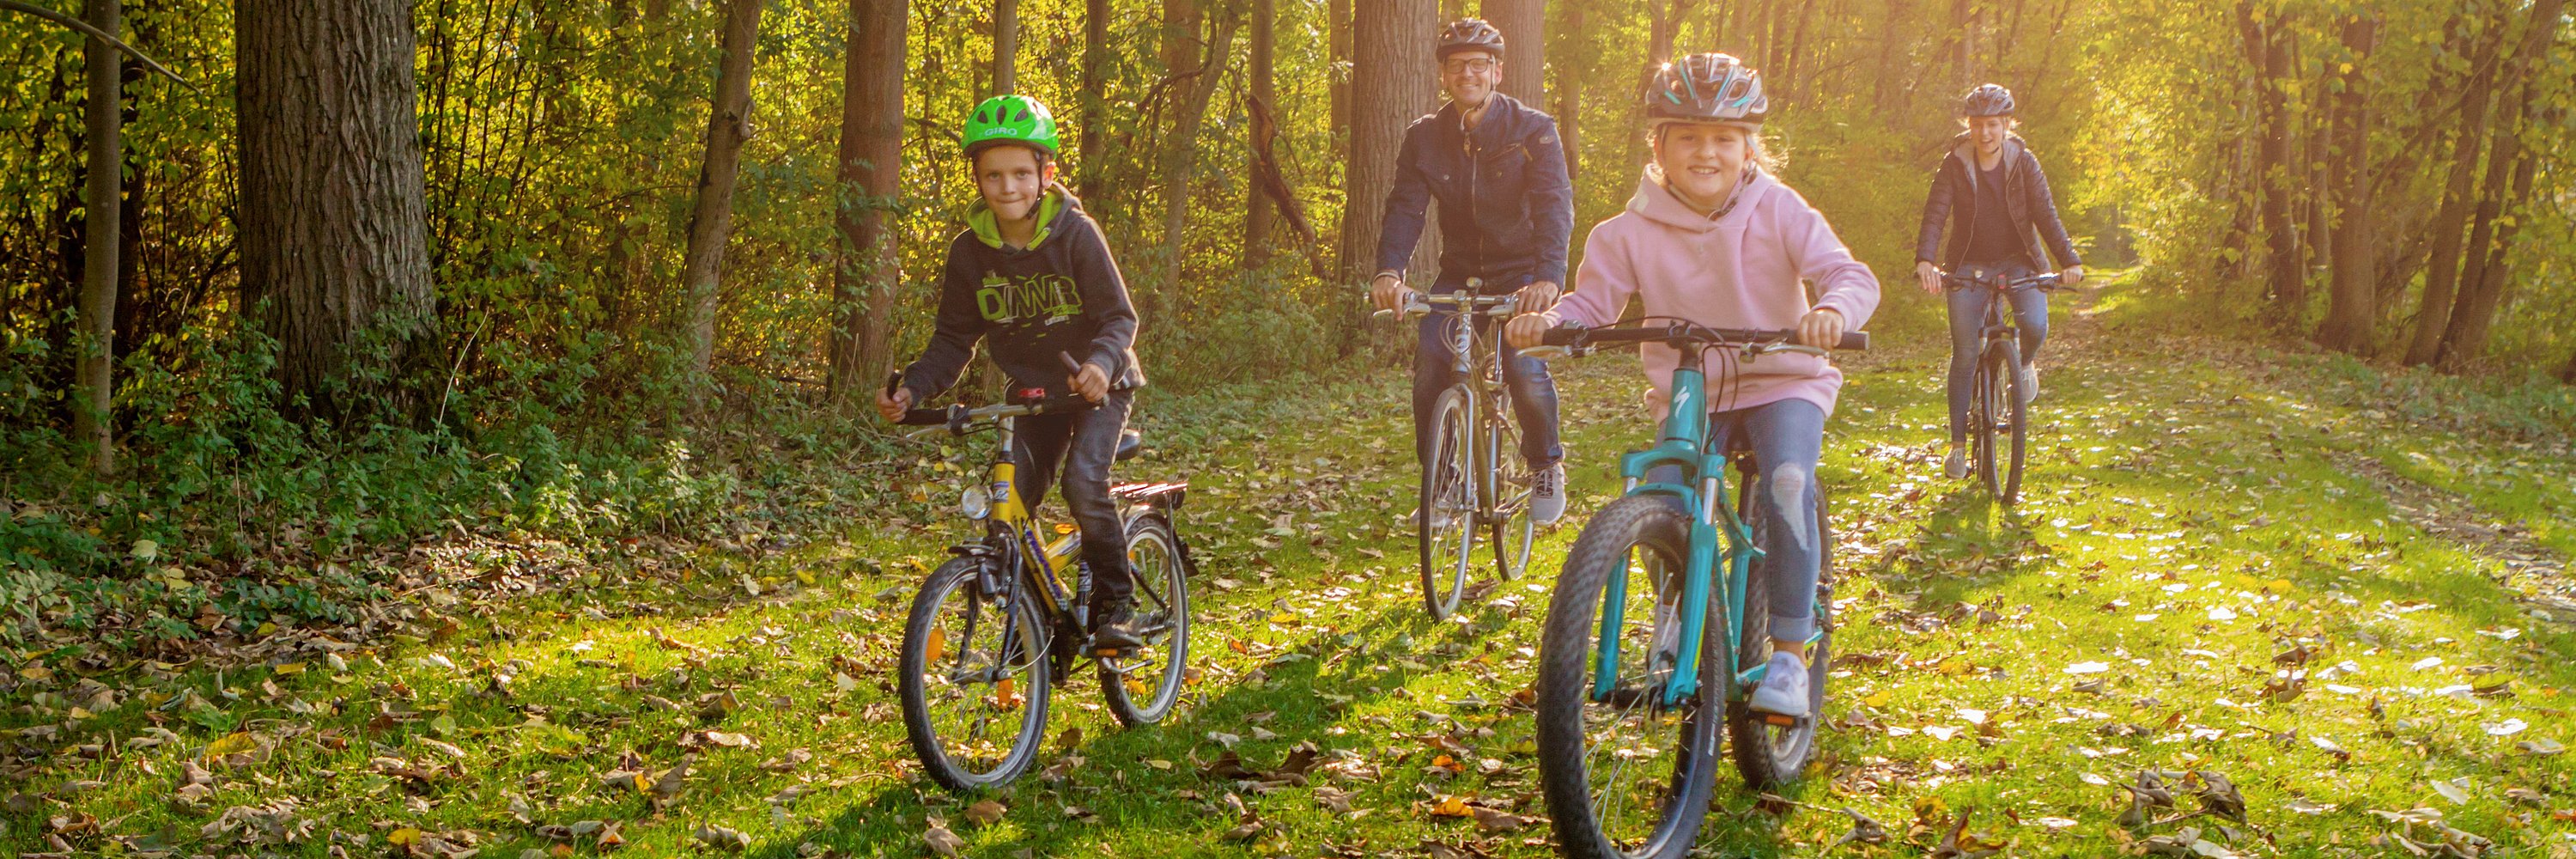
x=2194 y=513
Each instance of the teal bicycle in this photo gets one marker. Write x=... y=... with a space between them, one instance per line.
x=1641 y=660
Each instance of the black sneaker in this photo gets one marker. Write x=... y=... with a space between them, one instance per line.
x=1116 y=630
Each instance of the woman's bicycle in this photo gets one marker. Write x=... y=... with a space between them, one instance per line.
x=1658 y=630
x=1475 y=476
x=1997 y=406
x=994 y=629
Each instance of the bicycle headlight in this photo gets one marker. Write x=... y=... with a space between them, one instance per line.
x=977 y=503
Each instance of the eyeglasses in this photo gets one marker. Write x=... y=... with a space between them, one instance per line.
x=1479 y=65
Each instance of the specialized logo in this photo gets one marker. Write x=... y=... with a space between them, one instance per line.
x=1043 y=299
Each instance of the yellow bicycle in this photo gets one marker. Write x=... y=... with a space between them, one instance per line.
x=994 y=629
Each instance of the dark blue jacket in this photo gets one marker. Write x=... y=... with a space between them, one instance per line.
x=1506 y=207
x=1951 y=209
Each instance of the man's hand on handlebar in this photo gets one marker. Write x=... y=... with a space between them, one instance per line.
x=1536 y=297
x=1388 y=292
x=1526 y=330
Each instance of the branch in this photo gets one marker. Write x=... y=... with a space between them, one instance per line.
x=101 y=35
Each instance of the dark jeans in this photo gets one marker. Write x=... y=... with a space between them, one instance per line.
x=1084 y=442
x=1968 y=319
x=1787 y=439
x=1533 y=389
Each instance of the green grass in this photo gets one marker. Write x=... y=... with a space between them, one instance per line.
x=2192 y=510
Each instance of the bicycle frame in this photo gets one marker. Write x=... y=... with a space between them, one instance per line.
x=1479 y=375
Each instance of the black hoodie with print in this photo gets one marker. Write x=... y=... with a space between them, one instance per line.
x=1061 y=294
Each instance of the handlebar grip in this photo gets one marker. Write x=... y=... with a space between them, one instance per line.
x=1070 y=365
x=1562 y=335
x=1854 y=341
x=894 y=379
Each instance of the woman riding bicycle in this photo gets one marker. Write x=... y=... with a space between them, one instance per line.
x=1992 y=199
x=1712 y=237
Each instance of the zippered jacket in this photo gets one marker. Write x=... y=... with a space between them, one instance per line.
x=1506 y=206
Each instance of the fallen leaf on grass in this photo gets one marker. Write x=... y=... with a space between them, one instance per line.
x=940 y=840
x=1497 y=820
x=722 y=838
x=985 y=813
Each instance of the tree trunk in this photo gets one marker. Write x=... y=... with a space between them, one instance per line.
x=2349 y=311
x=1260 y=211
x=711 y=220
x=1337 y=39
x=1180 y=150
x=333 y=224
x=2442 y=274
x=1390 y=65
x=1569 y=96
x=2483 y=276
x=1094 y=100
x=871 y=162
x=1524 y=26
x=1006 y=46
x=101 y=240
x=2485 y=292
x=2267 y=46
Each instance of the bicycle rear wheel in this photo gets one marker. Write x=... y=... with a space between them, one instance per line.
x=1143 y=686
x=1513 y=531
x=1625 y=775
x=1771 y=754
x=1448 y=518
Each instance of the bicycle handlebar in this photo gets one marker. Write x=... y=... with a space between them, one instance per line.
x=1486 y=305
x=2045 y=282
x=1583 y=340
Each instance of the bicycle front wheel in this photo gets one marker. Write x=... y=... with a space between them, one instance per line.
x=1448 y=517
x=1625 y=774
x=2017 y=406
x=1989 y=415
x=974 y=675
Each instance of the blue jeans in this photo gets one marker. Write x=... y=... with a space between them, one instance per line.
x=1787 y=438
x=1968 y=319
x=1533 y=389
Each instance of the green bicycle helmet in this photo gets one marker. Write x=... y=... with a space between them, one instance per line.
x=1010 y=119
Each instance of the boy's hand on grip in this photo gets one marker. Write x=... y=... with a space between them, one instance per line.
x=1086 y=379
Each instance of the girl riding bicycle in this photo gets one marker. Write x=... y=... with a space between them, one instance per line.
x=1712 y=237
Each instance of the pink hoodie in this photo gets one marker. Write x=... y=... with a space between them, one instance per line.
x=1742 y=270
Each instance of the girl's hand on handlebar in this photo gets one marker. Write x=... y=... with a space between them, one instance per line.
x=1929 y=276
x=1526 y=330
x=1822 y=328
x=2074 y=274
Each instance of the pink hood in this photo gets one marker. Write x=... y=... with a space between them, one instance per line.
x=1743 y=270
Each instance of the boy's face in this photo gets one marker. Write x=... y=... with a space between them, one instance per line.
x=1701 y=160
x=1012 y=179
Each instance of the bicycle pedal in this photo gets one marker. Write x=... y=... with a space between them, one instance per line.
x=1780 y=720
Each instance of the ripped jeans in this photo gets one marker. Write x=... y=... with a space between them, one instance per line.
x=1787 y=438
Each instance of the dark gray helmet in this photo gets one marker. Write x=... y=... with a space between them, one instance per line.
x=1707 y=88
x=1469 y=34
x=1987 y=100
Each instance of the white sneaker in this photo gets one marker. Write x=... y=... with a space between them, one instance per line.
x=1784 y=686
x=2029 y=383
x=1547 y=494
x=1956 y=466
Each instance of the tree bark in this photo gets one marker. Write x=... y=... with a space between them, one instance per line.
x=2483 y=276
x=871 y=162
x=1260 y=215
x=1390 y=67
x=1094 y=100
x=1180 y=150
x=1337 y=39
x=1524 y=26
x=101 y=241
x=1569 y=96
x=711 y=219
x=333 y=223
x=2485 y=292
x=2267 y=47
x=2349 y=310
x=1006 y=46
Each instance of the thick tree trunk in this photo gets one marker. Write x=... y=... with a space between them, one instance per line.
x=1524 y=26
x=2349 y=310
x=1006 y=46
x=1391 y=66
x=871 y=162
x=333 y=224
x=1261 y=213
x=2267 y=46
x=101 y=241
x=711 y=220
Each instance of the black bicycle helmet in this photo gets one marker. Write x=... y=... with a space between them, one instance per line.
x=1470 y=34
x=1987 y=100
x=1707 y=88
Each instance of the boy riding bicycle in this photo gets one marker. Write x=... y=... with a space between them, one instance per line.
x=1032 y=277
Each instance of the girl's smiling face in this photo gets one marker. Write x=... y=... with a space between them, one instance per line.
x=1702 y=161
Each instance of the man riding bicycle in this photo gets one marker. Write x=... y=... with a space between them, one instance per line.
x=1506 y=216
x=1991 y=200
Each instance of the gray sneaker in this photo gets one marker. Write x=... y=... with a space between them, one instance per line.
x=1784 y=686
x=1957 y=465
x=2029 y=383
x=1547 y=494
